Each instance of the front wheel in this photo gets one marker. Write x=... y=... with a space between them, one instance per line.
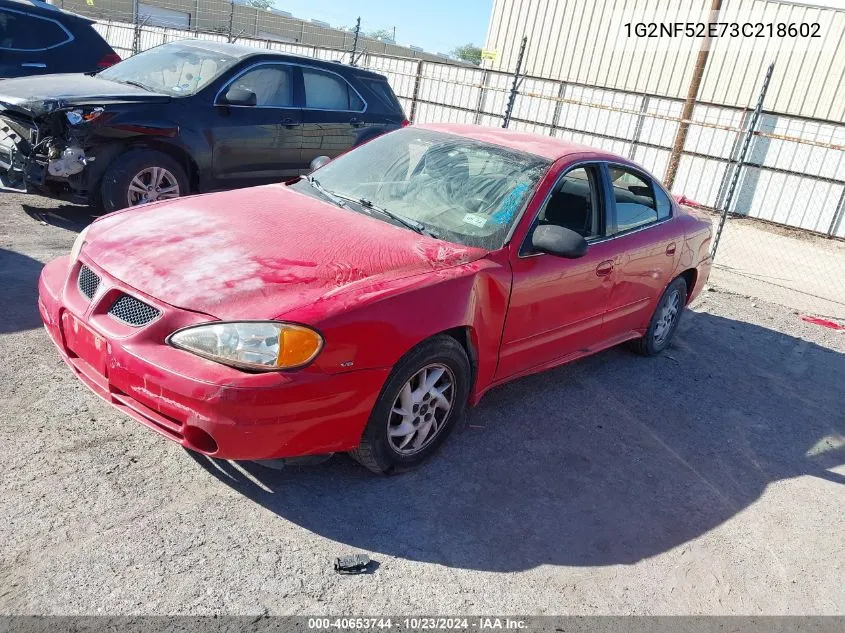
x=418 y=407
x=664 y=321
x=140 y=176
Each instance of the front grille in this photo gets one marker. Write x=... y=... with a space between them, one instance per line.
x=132 y=311
x=88 y=281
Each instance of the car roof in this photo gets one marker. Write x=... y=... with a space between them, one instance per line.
x=244 y=52
x=546 y=146
x=38 y=7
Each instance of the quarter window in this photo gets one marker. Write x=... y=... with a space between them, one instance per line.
x=664 y=205
x=272 y=85
x=635 y=202
x=25 y=32
x=326 y=91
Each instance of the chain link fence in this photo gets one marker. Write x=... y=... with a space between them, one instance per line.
x=783 y=214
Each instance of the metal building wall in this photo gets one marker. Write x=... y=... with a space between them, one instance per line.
x=571 y=40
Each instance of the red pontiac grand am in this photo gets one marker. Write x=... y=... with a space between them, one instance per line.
x=362 y=308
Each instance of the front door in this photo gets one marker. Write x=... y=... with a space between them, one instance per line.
x=557 y=304
x=333 y=117
x=259 y=143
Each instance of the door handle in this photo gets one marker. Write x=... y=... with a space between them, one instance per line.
x=605 y=268
x=670 y=250
x=356 y=122
x=33 y=65
x=288 y=122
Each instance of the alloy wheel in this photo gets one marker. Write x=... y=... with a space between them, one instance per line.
x=151 y=184
x=421 y=409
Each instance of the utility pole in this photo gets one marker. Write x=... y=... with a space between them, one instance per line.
x=692 y=96
x=355 y=41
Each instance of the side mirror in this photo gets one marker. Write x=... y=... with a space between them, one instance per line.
x=319 y=162
x=558 y=241
x=240 y=97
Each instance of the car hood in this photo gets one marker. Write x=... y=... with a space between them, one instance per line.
x=42 y=94
x=259 y=253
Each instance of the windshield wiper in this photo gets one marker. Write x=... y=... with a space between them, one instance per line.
x=137 y=84
x=415 y=226
x=328 y=194
x=408 y=222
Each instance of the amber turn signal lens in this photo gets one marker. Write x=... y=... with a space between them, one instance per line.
x=297 y=346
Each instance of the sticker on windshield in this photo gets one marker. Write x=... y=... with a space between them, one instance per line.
x=510 y=205
x=476 y=219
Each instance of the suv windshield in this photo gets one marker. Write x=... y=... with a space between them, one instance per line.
x=175 y=69
x=459 y=189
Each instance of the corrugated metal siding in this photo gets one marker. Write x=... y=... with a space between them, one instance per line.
x=568 y=40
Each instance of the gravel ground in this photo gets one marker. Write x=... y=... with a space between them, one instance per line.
x=709 y=480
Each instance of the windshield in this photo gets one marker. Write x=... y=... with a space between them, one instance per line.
x=458 y=189
x=175 y=69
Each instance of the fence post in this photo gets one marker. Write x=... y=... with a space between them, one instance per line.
x=743 y=154
x=638 y=128
x=231 y=19
x=482 y=94
x=516 y=82
x=136 y=35
x=561 y=93
x=355 y=41
x=415 y=95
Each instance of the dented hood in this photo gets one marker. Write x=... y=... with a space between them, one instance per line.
x=42 y=94
x=259 y=253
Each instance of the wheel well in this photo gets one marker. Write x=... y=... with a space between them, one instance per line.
x=177 y=154
x=690 y=276
x=462 y=336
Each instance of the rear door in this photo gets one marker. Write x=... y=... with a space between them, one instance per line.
x=262 y=143
x=30 y=44
x=647 y=244
x=333 y=114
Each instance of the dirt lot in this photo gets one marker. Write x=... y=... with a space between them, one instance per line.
x=708 y=480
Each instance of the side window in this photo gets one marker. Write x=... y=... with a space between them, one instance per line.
x=272 y=85
x=327 y=91
x=635 y=202
x=25 y=32
x=574 y=203
x=664 y=205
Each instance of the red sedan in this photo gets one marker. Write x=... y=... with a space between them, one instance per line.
x=364 y=307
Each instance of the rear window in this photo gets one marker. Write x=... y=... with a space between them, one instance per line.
x=327 y=91
x=386 y=100
x=26 y=32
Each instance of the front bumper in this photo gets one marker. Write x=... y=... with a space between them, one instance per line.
x=203 y=405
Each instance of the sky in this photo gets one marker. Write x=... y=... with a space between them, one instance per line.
x=438 y=26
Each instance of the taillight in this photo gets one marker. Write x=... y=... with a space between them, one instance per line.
x=109 y=59
x=405 y=123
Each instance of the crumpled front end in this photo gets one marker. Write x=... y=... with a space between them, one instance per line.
x=43 y=151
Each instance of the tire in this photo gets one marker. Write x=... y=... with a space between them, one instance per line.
x=657 y=337
x=380 y=449
x=114 y=188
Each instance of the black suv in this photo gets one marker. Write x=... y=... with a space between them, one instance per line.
x=185 y=117
x=37 y=38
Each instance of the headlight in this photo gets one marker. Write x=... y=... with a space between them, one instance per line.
x=77 y=245
x=256 y=345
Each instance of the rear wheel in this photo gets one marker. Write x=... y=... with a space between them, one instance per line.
x=140 y=176
x=418 y=407
x=664 y=321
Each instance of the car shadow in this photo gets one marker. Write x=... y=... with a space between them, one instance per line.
x=605 y=461
x=18 y=292
x=71 y=217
